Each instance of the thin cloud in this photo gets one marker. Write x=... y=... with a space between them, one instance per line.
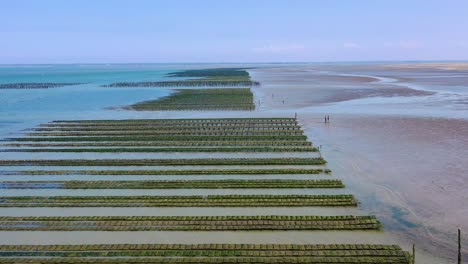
x=402 y=44
x=280 y=48
x=350 y=45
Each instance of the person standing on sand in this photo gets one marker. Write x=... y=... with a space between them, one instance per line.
x=325 y=118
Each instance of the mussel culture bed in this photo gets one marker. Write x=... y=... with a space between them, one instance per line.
x=179 y=201
x=96 y=189
x=34 y=85
x=171 y=132
x=175 y=184
x=205 y=136
x=171 y=135
x=230 y=97
x=167 y=143
x=189 y=223
x=172 y=149
x=204 y=253
x=200 y=99
x=167 y=172
x=165 y=162
x=168 y=138
x=225 y=77
x=184 y=121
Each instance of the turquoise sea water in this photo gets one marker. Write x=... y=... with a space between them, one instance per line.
x=22 y=108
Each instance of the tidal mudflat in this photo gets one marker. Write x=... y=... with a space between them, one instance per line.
x=403 y=152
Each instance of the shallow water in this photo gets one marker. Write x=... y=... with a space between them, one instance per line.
x=25 y=108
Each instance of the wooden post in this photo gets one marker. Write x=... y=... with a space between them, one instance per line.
x=459 y=247
x=414 y=255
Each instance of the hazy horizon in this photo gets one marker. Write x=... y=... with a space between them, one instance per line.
x=253 y=62
x=57 y=32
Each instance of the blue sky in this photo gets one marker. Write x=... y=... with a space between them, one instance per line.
x=111 y=31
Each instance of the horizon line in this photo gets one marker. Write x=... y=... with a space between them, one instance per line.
x=259 y=62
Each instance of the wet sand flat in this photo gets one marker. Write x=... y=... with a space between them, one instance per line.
x=408 y=170
x=416 y=165
x=307 y=86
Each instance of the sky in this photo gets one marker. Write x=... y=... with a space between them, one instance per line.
x=157 y=31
